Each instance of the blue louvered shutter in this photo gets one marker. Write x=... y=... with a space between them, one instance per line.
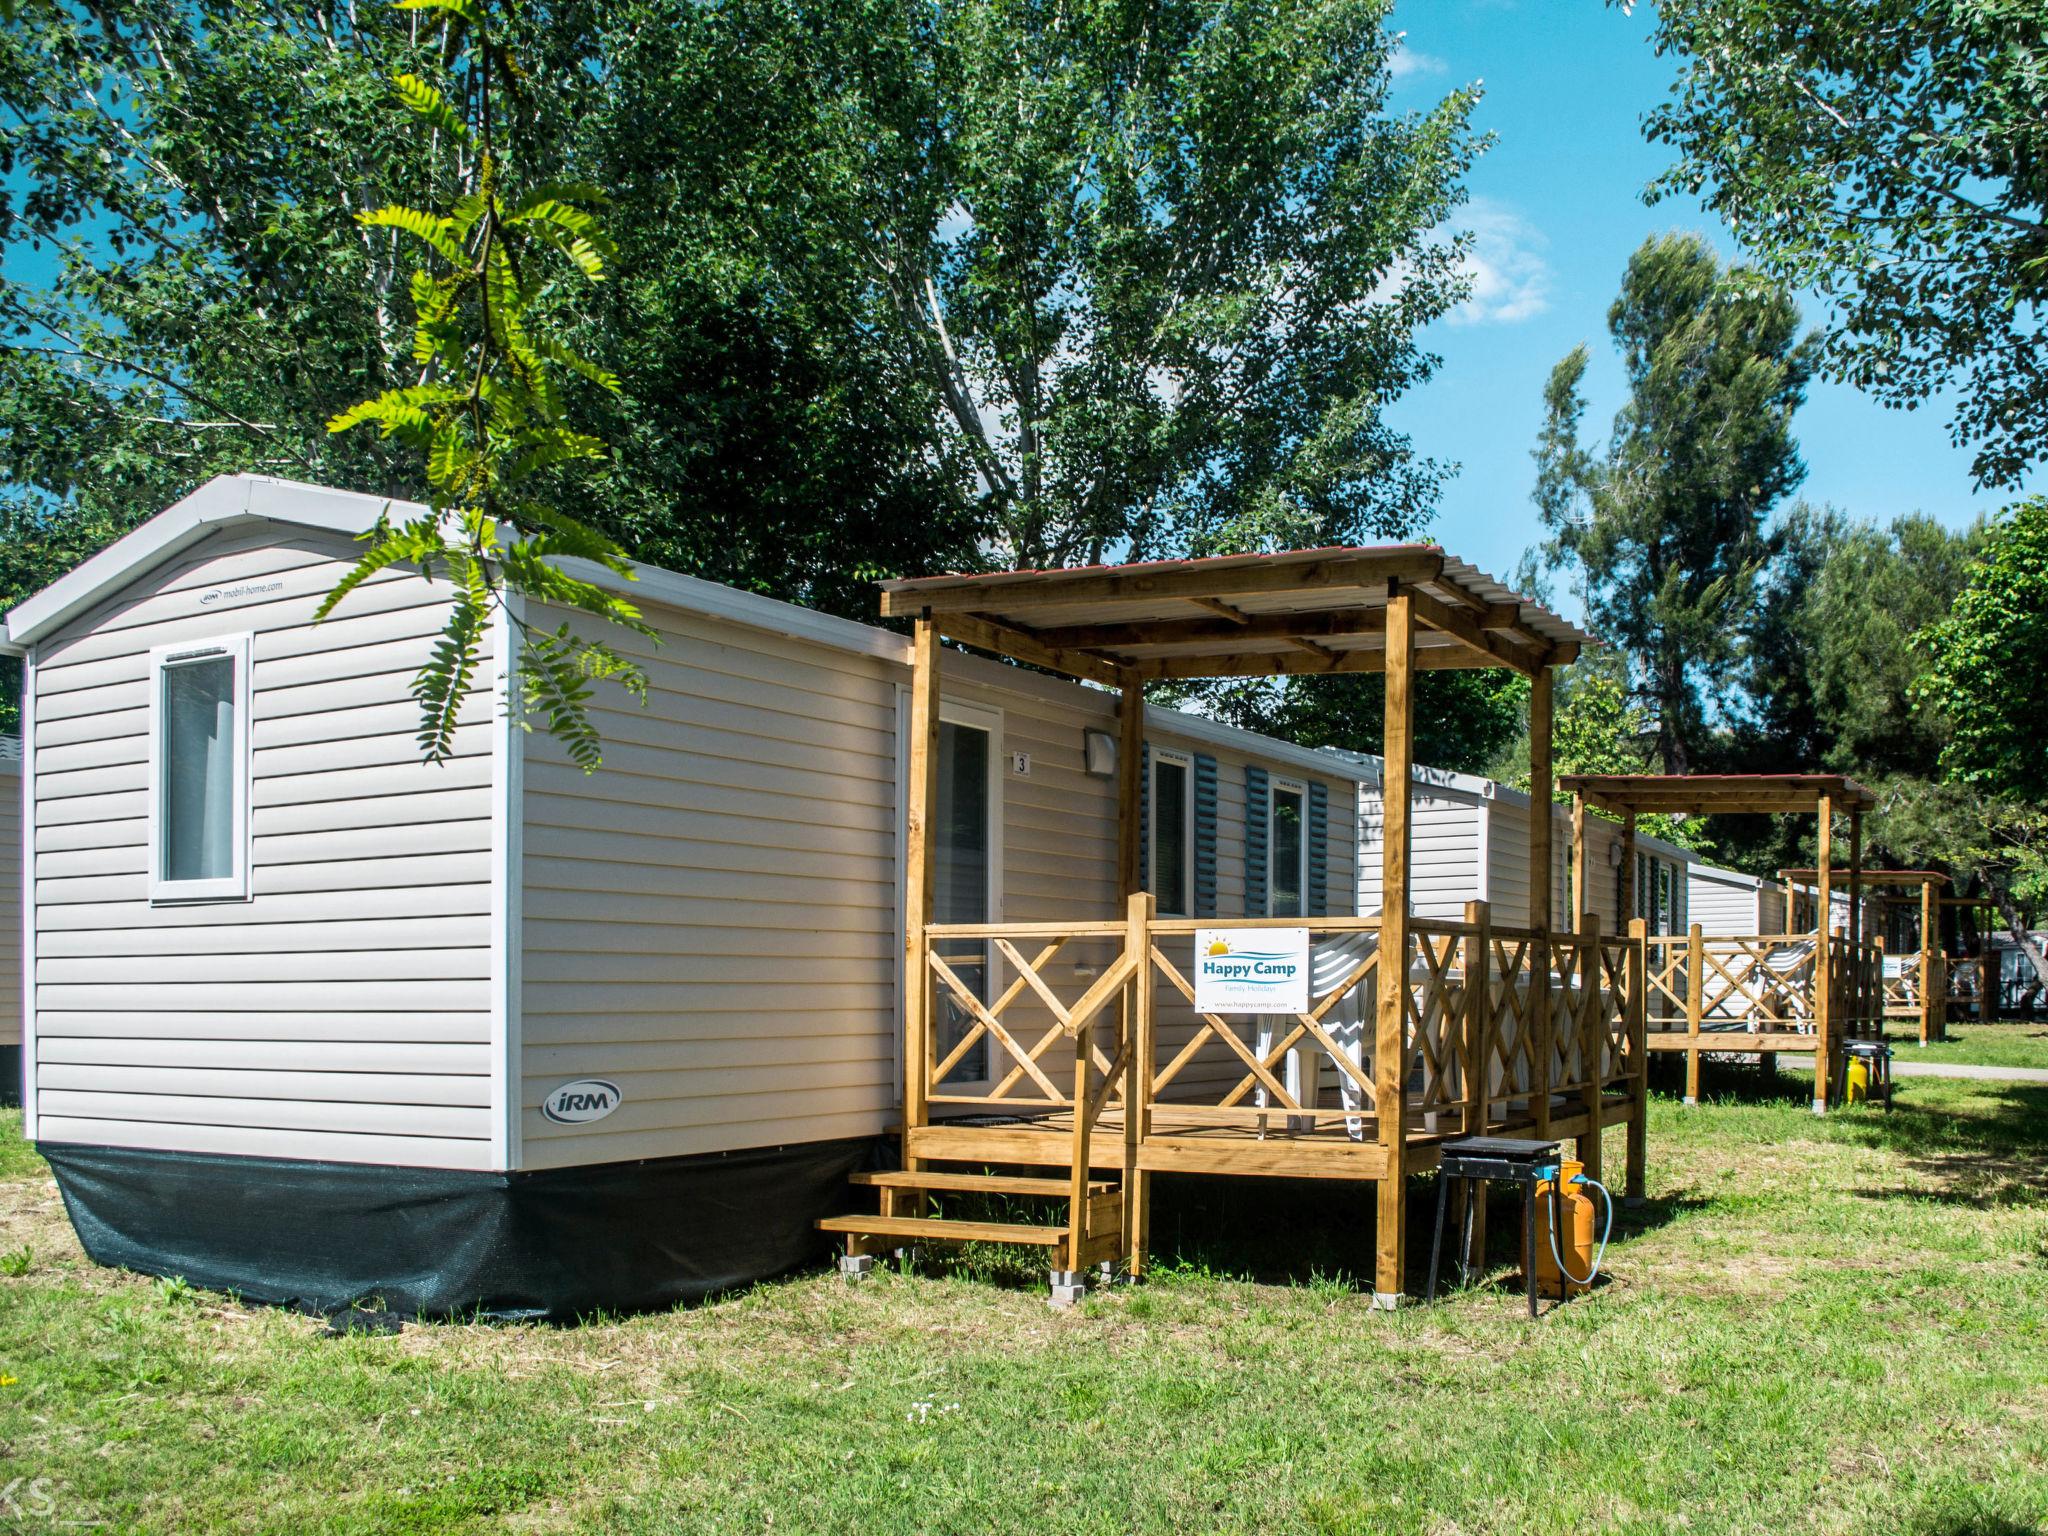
x=1205 y=835
x=1318 y=850
x=1145 y=816
x=1254 y=841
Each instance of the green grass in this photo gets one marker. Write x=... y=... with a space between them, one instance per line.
x=1834 y=1325
x=1986 y=1045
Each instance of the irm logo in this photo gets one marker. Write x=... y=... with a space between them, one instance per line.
x=580 y=1102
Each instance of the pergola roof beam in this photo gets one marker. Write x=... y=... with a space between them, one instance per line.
x=1017 y=592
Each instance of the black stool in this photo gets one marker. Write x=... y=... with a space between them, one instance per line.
x=1503 y=1158
x=1877 y=1055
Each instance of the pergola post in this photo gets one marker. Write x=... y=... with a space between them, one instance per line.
x=1926 y=961
x=1626 y=897
x=1390 y=1056
x=1581 y=897
x=1823 y=966
x=1541 y=1025
x=1639 y=1045
x=1859 y=975
x=920 y=873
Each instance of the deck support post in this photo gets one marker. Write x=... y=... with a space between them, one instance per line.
x=1138 y=1083
x=1541 y=1024
x=1592 y=1023
x=1859 y=973
x=1390 y=1056
x=1926 y=962
x=1475 y=1066
x=1638 y=973
x=920 y=866
x=1823 y=962
x=1695 y=1007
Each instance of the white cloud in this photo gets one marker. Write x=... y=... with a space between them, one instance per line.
x=1404 y=62
x=1510 y=278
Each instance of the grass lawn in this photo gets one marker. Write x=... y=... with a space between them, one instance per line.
x=1815 y=1325
x=1986 y=1045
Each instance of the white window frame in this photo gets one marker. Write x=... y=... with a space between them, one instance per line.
x=1185 y=761
x=1277 y=785
x=234 y=886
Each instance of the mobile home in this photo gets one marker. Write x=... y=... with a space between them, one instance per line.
x=1726 y=903
x=1471 y=843
x=308 y=1018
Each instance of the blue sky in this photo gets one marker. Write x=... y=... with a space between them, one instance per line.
x=1557 y=207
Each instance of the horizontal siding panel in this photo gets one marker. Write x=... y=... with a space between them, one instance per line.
x=294 y=1116
x=250 y=938
x=869 y=909
x=469 y=769
x=658 y=804
x=571 y=1026
x=276 y=1038
x=711 y=873
x=768 y=960
x=772 y=1106
x=283 y=969
x=659 y=837
x=447 y=868
x=764 y=998
x=252 y=1141
x=683 y=1088
x=857 y=1043
x=277 y=1058
x=297 y=907
x=694 y=944
x=260 y=996
x=345 y=1087
x=697 y=1140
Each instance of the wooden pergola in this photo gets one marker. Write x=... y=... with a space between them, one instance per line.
x=1393 y=610
x=1928 y=1009
x=1744 y=971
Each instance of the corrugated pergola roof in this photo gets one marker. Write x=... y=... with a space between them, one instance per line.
x=1300 y=611
x=1779 y=794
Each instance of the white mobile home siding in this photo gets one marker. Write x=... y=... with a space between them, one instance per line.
x=711 y=921
x=343 y=1011
x=10 y=894
x=1726 y=903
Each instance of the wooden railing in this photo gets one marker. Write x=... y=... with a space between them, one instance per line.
x=1495 y=1024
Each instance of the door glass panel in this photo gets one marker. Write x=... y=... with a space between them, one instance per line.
x=1285 y=884
x=963 y=886
x=1169 y=837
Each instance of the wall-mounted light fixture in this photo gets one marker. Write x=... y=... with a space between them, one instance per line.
x=1099 y=752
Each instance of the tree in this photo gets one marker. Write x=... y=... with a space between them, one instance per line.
x=1463 y=719
x=487 y=410
x=1157 y=269
x=1988 y=661
x=1892 y=156
x=1830 y=661
x=189 y=293
x=1664 y=527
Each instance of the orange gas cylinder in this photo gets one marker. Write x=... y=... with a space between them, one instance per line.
x=1574 y=1236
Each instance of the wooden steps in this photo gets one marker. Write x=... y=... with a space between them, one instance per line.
x=990 y=1183
x=904 y=1201
x=936 y=1229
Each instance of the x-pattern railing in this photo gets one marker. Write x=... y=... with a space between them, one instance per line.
x=1264 y=1070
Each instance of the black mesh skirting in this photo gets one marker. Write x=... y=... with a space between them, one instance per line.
x=555 y=1243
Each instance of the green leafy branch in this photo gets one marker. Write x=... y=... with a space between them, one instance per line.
x=488 y=415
